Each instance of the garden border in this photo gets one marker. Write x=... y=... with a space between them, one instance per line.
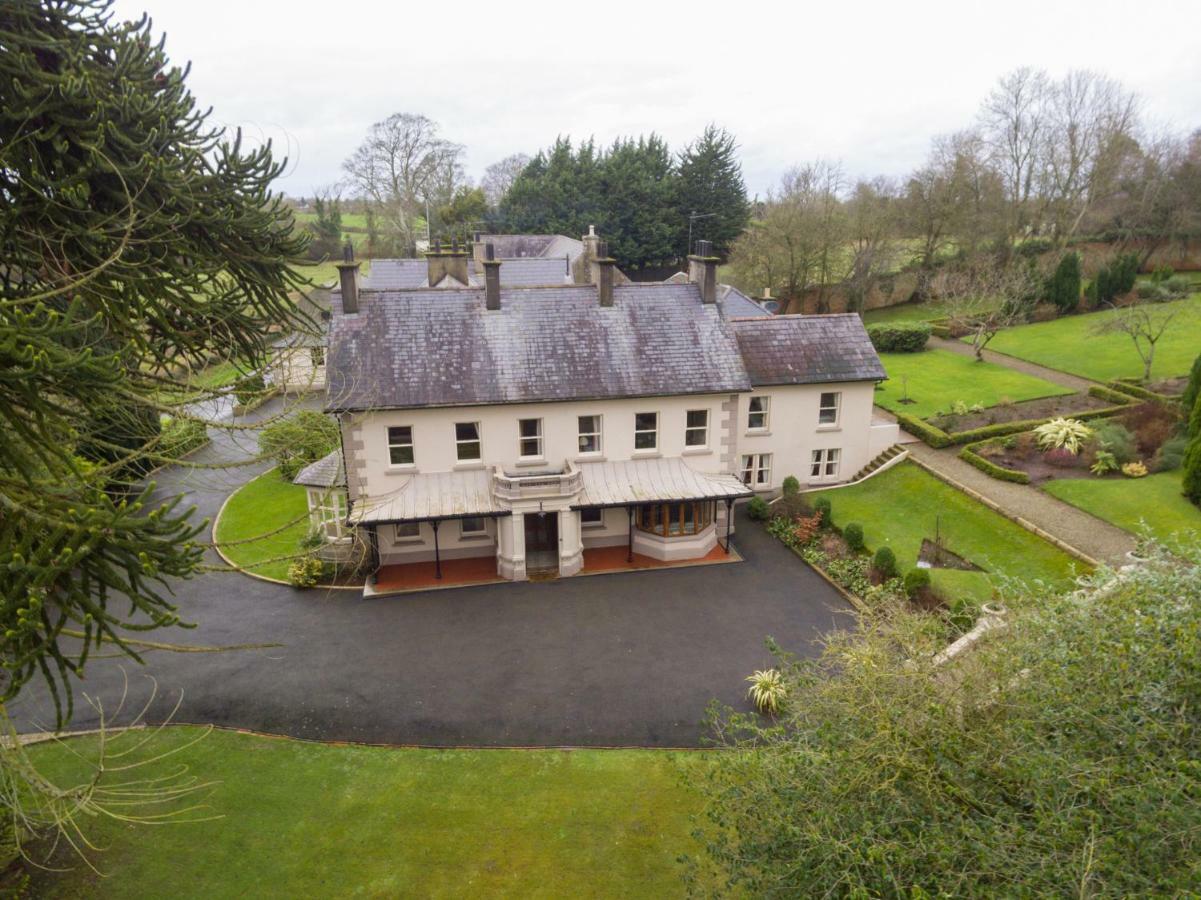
x=935 y=437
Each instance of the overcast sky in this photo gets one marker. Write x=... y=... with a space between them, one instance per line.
x=867 y=83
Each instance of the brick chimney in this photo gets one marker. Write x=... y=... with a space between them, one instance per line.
x=702 y=270
x=491 y=278
x=452 y=262
x=601 y=273
x=348 y=278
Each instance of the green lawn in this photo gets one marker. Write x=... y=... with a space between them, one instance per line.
x=314 y=820
x=260 y=507
x=907 y=312
x=349 y=220
x=905 y=504
x=1126 y=502
x=938 y=378
x=1069 y=344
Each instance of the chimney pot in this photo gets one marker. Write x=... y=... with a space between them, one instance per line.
x=348 y=278
x=702 y=271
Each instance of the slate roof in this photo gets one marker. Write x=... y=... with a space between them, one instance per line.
x=410 y=274
x=443 y=348
x=556 y=246
x=735 y=304
x=807 y=349
x=324 y=473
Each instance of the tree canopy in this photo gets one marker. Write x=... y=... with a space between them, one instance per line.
x=137 y=239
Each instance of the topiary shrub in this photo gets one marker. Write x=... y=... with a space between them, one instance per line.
x=916 y=581
x=884 y=563
x=853 y=535
x=822 y=505
x=298 y=440
x=758 y=509
x=791 y=486
x=1063 y=287
x=900 y=337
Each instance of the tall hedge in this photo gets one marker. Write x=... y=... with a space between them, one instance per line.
x=900 y=337
x=1063 y=287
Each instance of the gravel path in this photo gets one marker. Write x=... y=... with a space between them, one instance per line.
x=1088 y=534
x=1012 y=362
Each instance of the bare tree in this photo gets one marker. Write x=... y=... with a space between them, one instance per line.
x=1144 y=323
x=872 y=223
x=499 y=177
x=981 y=301
x=402 y=167
x=1013 y=120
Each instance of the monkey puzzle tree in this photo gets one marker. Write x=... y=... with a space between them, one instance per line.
x=135 y=239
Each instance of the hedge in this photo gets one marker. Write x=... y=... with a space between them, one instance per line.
x=941 y=331
x=969 y=455
x=938 y=439
x=900 y=337
x=1137 y=390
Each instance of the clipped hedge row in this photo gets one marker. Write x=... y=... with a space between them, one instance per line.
x=938 y=439
x=969 y=455
x=1137 y=390
x=900 y=337
x=941 y=331
x=1115 y=392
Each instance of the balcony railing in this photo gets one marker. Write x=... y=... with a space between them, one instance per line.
x=564 y=482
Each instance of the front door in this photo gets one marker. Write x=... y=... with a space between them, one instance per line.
x=542 y=543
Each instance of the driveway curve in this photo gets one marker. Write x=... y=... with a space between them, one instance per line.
x=629 y=659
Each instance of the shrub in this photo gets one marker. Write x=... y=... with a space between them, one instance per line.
x=900 y=337
x=758 y=509
x=1192 y=470
x=307 y=572
x=298 y=440
x=1062 y=458
x=1176 y=288
x=249 y=388
x=853 y=535
x=1112 y=280
x=1152 y=423
x=1193 y=389
x=791 y=506
x=1063 y=434
x=1063 y=287
x=1134 y=470
x=1170 y=456
x=884 y=563
x=767 y=690
x=1104 y=463
x=1115 y=438
x=822 y=505
x=1162 y=274
x=916 y=581
x=791 y=486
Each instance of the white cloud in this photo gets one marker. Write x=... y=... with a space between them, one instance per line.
x=868 y=83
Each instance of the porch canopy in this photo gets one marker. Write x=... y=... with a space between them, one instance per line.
x=638 y=481
x=431 y=497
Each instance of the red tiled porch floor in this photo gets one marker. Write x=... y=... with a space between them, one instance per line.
x=598 y=560
x=420 y=576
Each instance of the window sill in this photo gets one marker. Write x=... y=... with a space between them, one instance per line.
x=401 y=470
x=405 y=542
x=590 y=457
x=697 y=451
x=469 y=465
x=824 y=428
x=475 y=537
x=757 y=432
x=593 y=526
x=645 y=454
x=525 y=462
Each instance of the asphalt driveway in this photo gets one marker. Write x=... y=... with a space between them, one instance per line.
x=629 y=659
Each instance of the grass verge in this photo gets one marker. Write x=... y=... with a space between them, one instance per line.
x=905 y=504
x=313 y=820
x=1129 y=502
x=260 y=507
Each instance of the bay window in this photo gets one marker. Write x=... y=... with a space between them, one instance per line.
x=675 y=519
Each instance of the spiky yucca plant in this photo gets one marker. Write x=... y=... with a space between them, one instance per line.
x=1065 y=434
x=767 y=690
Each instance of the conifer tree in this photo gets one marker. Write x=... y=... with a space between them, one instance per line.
x=135 y=239
x=711 y=185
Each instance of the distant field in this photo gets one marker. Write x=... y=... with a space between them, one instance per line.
x=935 y=379
x=1069 y=344
x=349 y=220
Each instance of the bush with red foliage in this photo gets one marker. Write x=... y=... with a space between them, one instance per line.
x=1064 y=459
x=1152 y=423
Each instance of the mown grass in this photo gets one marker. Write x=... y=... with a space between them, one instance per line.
x=935 y=379
x=900 y=507
x=313 y=820
x=260 y=507
x=1071 y=344
x=1131 y=503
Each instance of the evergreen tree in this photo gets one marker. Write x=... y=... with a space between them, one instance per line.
x=136 y=238
x=1192 y=456
x=638 y=218
x=1063 y=287
x=1193 y=389
x=711 y=185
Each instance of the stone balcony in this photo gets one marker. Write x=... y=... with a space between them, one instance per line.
x=564 y=481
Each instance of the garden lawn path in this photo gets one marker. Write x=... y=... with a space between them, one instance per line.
x=1093 y=537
